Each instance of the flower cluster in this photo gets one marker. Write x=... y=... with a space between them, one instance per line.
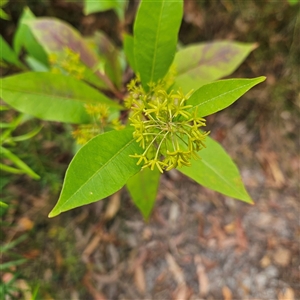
x=100 y=122
x=67 y=62
x=165 y=127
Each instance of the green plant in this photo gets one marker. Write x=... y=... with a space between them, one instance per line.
x=98 y=6
x=9 y=141
x=293 y=2
x=153 y=126
x=3 y=14
x=13 y=284
x=11 y=162
x=9 y=273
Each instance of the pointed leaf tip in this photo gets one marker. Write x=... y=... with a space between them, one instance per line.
x=216 y=96
x=53 y=213
x=100 y=168
x=217 y=171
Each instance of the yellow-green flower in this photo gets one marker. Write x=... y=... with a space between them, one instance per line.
x=165 y=127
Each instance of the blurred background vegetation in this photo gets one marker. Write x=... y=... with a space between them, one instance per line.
x=44 y=259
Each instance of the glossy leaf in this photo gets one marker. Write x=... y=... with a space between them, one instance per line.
x=4 y=15
x=7 y=54
x=218 y=95
x=55 y=36
x=100 y=168
x=143 y=190
x=155 y=38
x=3 y=3
x=12 y=244
x=202 y=63
x=10 y=169
x=27 y=135
x=24 y=38
x=35 y=65
x=23 y=168
x=217 y=171
x=94 y=6
x=12 y=264
x=293 y=2
x=110 y=57
x=52 y=97
x=129 y=50
x=2 y=204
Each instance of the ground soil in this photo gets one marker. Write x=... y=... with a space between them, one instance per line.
x=197 y=244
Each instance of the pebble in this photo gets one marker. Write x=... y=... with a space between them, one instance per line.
x=271 y=271
x=282 y=256
x=261 y=280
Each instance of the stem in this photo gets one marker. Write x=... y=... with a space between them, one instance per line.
x=152 y=142
x=160 y=144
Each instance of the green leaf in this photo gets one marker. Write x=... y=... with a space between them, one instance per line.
x=12 y=244
x=52 y=97
x=27 y=135
x=55 y=36
x=3 y=3
x=94 y=6
x=8 y=54
x=5 y=125
x=35 y=65
x=9 y=169
x=218 y=95
x=143 y=189
x=14 y=124
x=3 y=108
x=17 y=121
x=11 y=264
x=129 y=50
x=3 y=205
x=217 y=171
x=293 y=2
x=155 y=38
x=100 y=168
x=18 y=162
x=4 y=15
x=24 y=38
x=110 y=56
x=202 y=63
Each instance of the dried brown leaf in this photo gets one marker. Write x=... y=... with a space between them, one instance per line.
x=175 y=269
x=24 y=288
x=91 y=289
x=58 y=259
x=147 y=234
x=113 y=206
x=202 y=277
x=287 y=294
x=181 y=293
x=25 y=224
x=282 y=256
x=91 y=247
x=139 y=279
x=227 y=294
x=265 y=261
x=242 y=240
x=230 y=228
x=32 y=253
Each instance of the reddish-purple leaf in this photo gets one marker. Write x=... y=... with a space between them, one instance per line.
x=203 y=63
x=55 y=35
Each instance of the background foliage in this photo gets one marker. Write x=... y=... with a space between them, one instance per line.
x=267 y=121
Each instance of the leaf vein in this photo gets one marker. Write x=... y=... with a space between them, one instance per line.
x=223 y=94
x=222 y=177
x=97 y=172
x=156 y=42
